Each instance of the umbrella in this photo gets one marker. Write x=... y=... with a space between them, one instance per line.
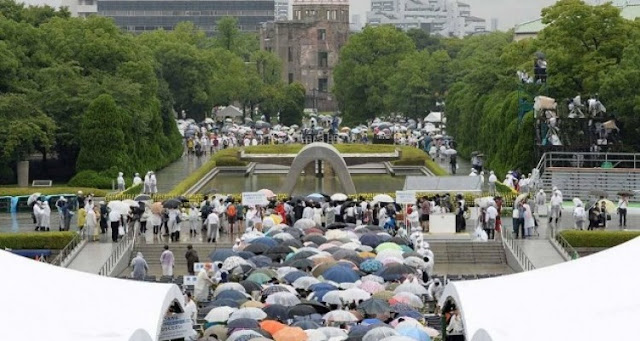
x=304 y=224
x=319 y=307
x=271 y=326
x=226 y=302
x=408 y=298
x=340 y=274
x=370 y=240
x=374 y=306
x=292 y=276
x=332 y=297
x=316 y=239
x=156 y=208
x=270 y=242
x=252 y=304
x=388 y=246
x=598 y=193
x=301 y=310
x=333 y=332
x=339 y=316
x=232 y=295
x=243 y=323
x=611 y=207
x=377 y=334
x=306 y=324
x=305 y=282
x=371 y=287
x=626 y=194
x=229 y=286
x=261 y=261
x=142 y=197
x=33 y=198
x=118 y=206
x=219 y=314
x=251 y=286
x=257 y=249
x=411 y=287
x=284 y=298
x=339 y=197
x=267 y=193
x=290 y=334
x=301 y=264
x=450 y=152
x=415 y=333
x=354 y=295
x=384 y=198
x=232 y=262
x=172 y=203
x=248 y=313
x=394 y=272
x=259 y=278
x=275 y=289
x=398 y=338
x=277 y=311
x=522 y=197
x=370 y=265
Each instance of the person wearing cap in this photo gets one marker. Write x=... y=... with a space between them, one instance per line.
x=140 y=267
x=153 y=183
x=492 y=182
x=81 y=199
x=136 y=179
x=120 y=182
x=104 y=217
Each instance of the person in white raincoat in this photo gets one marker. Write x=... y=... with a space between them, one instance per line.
x=414 y=219
x=153 y=183
x=213 y=226
x=136 y=179
x=203 y=283
x=529 y=220
x=120 y=182
x=91 y=223
x=194 y=221
x=147 y=183
x=45 y=219
x=37 y=213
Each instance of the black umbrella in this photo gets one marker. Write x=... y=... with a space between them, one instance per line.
x=257 y=249
x=301 y=310
x=374 y=306
x=246 y=254
x=356 y=333
x=232 y=295
x=142 y=197
x=292 y=242
x=182 y=198
x=307 y=324
x=251 y=286
x=316 y=239
x=332 y=249
x=399 y=241
x=278 y=252
x=336 y=226
x=370 y=240
x=171 y=203
x=301 y=255
x=344 y=253
x=261 y=261
x=296 y=233
x=301 y=264
x=354 y=258
x=221 y=254
x=243 y=323
x=224 y=302
x=395 y=271
x=319 y=307
x=598 y=193
x=277 y=311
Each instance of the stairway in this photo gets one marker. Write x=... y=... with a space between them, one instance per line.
x=152 y=252
x=467 y=252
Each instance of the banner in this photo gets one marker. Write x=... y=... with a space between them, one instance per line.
x=254 y=198
x=405 y=197
x=176 y=326
x=189 y=280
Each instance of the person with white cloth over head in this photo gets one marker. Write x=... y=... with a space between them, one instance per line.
x=414 y=219
x=45 y=219
x=203 y=283
x=37 y=214
x=147 y=183
x=168 y=261
x=136 y=179
x=556 y=207
x=140 y=267
x=492 y=183
x=120 y=182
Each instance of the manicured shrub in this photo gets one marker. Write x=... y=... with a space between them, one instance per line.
x=599 y=239
x=90 y=178
x=36 y=240
x=19 y=191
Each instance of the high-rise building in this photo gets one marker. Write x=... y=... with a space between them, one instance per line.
x=309 y=47
x=282 y=10
x=81 y=8
x=442 y=17
x=356 y=23
x=494 y=24
x=146 y=15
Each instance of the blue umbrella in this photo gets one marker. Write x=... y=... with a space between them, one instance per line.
x=277 y=311
x=322 y=286
x=246 y=254
x=243 y=323
x=224 y=303
x=393 y=272
x=401 y=308
x=371 y=265
x=411 y=313
x=261 y=261
x=370 y=240
x=371 y=322
x=266 y=241
x=292 y=276
x=340 y=274
x=221 y=254
x=232 y=295
x=307 y=324
x=384 y=237
x=414 y=333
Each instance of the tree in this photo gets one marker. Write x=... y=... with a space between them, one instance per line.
x=424 y=41
x=366 y=62
x=230 y=38
x=293 y=107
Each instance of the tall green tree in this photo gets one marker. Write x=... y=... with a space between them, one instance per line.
x=366 y=62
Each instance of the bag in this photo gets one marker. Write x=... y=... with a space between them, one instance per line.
x=120 y=231
x=178 y=220
x=608 y=216
x=231 y=211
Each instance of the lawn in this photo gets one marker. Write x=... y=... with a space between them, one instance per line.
x=19 y=191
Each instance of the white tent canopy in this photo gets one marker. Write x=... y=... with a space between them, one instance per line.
x=434 y=117
x=230 y=111
x=592 y=298
x=46 y=302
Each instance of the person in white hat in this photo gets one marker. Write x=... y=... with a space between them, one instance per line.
x=153 y=183
x=492 y=182
x=136 y=179
x=147 y=183
x=120 y=182
x=474 y=172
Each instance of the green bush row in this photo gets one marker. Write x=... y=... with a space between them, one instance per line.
x=137 y=189
x=36 y=240
x=20 y=191
x=601 y=239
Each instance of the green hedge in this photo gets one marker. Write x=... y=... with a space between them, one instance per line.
x=36 y=240
x=90 y=178
x=137 y=189
x=599 y=239
x=18 y=191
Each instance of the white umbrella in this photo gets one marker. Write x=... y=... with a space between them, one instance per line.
x=238 y=334
x=384 y=254
x=267 y=193
x=373 y=278
x=412 y=287
x=219 y=314
x=286 y=299
x=379 y=333
x=283 y=236
x=383 y=198
x=285 y=270
x=315 y=335
x=305 y=282
x=332 y=297
x=131 y=203
x=415 y=262
x=33 y=198
x=248 y=313
x=304 y=224
x=118 y=206
x=335 y=234
x=233 y=262
x=229 y=286
x=354 y=295
x=333 y=332
x=450 y=152
x=398 y=338
x=371 y=287
x=340 y=316
x=351 y=246
x=339 y=197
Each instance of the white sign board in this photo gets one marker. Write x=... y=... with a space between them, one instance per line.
x=176 y=326
x=198 y=266
x=189 y=280
x=254 y=198
x=405 y=197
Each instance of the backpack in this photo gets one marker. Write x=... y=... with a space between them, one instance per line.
x=231 y=211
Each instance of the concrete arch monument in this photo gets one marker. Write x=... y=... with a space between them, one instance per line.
x=323 y=152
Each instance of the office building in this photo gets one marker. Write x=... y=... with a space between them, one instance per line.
x=146 y=15
x=282 y=10
x=309 y=46
x=442 y=17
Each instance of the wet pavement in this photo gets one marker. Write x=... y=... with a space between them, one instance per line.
x=173 y=174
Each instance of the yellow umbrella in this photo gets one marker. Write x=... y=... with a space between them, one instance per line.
x=366 y=254
x=253 y=304
x=611 y=207
x=277 y=219
x=384 y=295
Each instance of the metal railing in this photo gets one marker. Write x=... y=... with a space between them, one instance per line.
x=564 y=245
x=122 y=247
x=68 y=249
x=516 y=250
x=590 y=160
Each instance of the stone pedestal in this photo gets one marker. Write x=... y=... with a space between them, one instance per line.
x=23 y=173
x=328 y=170
x=310 y=169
